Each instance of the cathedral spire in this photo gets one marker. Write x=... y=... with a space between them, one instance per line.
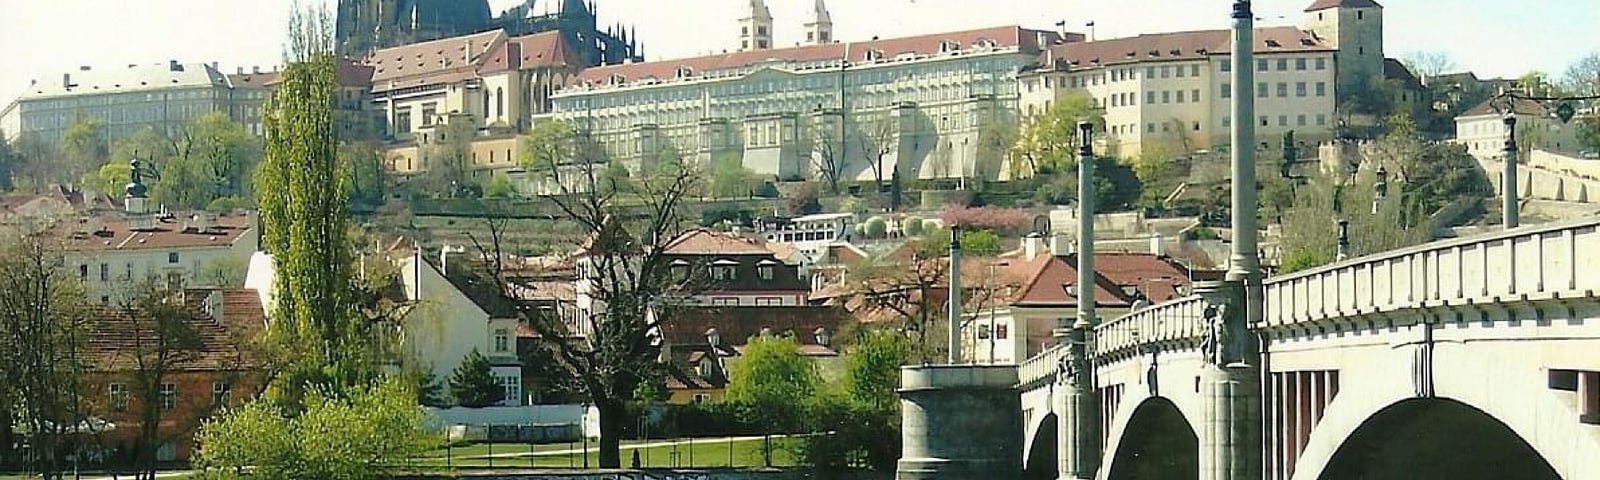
x=819 y=29
x=755 y=28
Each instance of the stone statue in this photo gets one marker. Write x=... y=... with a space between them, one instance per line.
x=1065 y=373
x=1217 y=345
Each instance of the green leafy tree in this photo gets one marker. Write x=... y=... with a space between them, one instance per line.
x=499 y=186
x=8 y=163
x=473 y=384
x=41 y=320
x=1048 y=142
x=773 y=383
x=368 y=176
x=980 y=242
x=83 y=146
x=317 y=334
x=911 y=226
x=364 y=432
x=1589 y=133
x=448 y=158
x=872 y=369
x=225 y=153
x=875 y=227
x=729 y=177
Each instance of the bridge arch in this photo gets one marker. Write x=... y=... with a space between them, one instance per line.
x=1154 y=440
x=1474 y=388
x=1043 y=451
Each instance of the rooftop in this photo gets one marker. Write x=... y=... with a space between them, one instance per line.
x=117 y=333
x=1326 y=4
x=112 y=232
x=132 y=78
x=1190 y=45
x=707 y=242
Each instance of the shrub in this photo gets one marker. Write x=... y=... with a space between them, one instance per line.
x=875 y=227
x=911 y=226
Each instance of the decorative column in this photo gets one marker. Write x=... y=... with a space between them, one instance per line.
x=954 y=303
x=1231 y=428
x=1508 y=183
x=1077 y=400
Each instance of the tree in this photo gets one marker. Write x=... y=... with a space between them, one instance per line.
x=875 y=227
x=499 y=186
x=773 y=384
x=41 y=318
x=872 y=369
x=83 y=145
x=317 y=333
x=730 y=178
x=625 y=271
x=1589 y=133
x=905 y=290
x=1428 y=63
x=1537 y=83
x=824 y=145
x=368 y=177
x=1583 y=76
x=547 y=147
x=163 y=339
x=225 y=152
x=1048 y=142
x=365 y=432
x=8 y=163
x=980 y=242
x=473 y=383
x=804 y=200
x=880 y=136
x=449 y=157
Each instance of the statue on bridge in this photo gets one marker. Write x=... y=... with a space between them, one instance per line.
x=1218 y=345
x=1065 y=373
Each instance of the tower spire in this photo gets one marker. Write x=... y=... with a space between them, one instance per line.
x=755 y=29
x=819 y=29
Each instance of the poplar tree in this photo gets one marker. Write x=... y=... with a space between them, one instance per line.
x=315 y=326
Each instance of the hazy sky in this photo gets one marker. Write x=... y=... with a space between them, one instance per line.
x=43 y=38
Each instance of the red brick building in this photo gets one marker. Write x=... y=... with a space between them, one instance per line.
x=223 y=369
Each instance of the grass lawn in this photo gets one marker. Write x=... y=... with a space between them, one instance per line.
x=685 y=453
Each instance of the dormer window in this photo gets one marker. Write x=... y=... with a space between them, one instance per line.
x=685 y=72
x=615 y=79
x=724 y=270
x=766 y=269
x=985 y=44
x=680 y=270
x=873 y=55
x=949 y=46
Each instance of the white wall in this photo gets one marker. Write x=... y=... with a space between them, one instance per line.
x=445 y=326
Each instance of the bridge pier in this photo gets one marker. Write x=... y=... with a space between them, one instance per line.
x=959 y=422
x=1230 y=386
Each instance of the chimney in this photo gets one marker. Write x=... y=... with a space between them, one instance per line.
x=1032 y=245
x=173 y=65
x=239 y=71
x=256 y=69
x=466 y=51
x=213 y=306
x=83 y=68
x=66 y=80
x=1060 y=245
x=1155 y=245
x=514 y=55
x=200 y=223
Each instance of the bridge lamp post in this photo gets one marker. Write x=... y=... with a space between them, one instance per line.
x=1381 y=185
x=1508 y=183
x=1343 y=241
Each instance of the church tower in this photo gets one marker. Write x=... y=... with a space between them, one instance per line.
x=755 y=29
x=819 y=30
x=1355 y=28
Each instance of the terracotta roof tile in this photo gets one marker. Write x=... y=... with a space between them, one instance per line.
x=115 y=338
x=547 y=49
x=1158 y=277
x=444 y=58
x=1495 y=106
x=111 y=232
x=1191 y=45
x=707 y=242
x=1028 y=41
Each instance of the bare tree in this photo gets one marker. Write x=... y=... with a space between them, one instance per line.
x=826 y=148
x=879 y=136
x=161 y=339
x=622 y=269
x=1428 y=63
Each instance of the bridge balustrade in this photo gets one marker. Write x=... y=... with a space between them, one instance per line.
x=1541 y=263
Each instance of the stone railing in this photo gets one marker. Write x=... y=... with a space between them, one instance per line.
x=1535 y=263
x=1538 y=263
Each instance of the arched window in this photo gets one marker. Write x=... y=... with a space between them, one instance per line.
x=500 y=102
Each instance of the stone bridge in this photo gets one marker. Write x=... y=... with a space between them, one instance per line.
x=1466 y=358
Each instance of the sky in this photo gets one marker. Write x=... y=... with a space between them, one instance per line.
x=1489 y=37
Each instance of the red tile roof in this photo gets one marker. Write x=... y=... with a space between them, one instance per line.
x=1326 y=4
x=1028 y=41
x=447 y=57
x=116 y=339
x=111 y=232
x=707 y=242
x=1158 y=277
x=548 y=49
x=1045 y=278
x=1191 y=45
x=735 y=325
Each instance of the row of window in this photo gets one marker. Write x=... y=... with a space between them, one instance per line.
x=1282 y=64
x=730 y=272
x=166 y=395
x=1166 y=96
x=1300 y=120
x=1263 y=89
